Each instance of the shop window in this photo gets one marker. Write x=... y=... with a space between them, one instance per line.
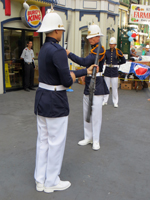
x=123 y=19
x=14 y=43
x=35 y=38
x=85 y=45
x=12 y=63
x=119 y=18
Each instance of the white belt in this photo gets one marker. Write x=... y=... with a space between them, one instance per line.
x=97 y=74
x=112 y=66
x=52 y=87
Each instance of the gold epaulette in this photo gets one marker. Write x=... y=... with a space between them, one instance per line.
x=101 y=54
x=117 y=53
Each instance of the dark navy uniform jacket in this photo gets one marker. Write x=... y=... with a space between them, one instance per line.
x=53 y=70
x=111 y=58
x=101 y=87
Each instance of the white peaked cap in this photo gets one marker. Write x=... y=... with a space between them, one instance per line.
x=93 y=31
x=112 y=40
x=51 y=21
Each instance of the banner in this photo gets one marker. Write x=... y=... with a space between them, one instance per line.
x=141 y=71
x=139 y=14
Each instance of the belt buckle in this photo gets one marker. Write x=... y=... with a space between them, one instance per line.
x=55 y=88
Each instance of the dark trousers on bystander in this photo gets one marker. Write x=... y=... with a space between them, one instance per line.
x=28 y=75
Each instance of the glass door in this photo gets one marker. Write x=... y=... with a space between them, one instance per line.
x=14 y=43
x=35 y=38
x=12 y=62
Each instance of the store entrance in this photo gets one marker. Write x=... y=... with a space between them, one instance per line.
x=14 y=42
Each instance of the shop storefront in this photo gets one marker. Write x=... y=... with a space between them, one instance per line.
x=14 y=33
x=18 y=25
x=15 y=41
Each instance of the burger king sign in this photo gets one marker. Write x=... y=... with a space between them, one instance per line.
x=31 y=17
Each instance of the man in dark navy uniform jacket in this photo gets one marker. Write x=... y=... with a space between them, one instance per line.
x=114 y=57
x=92 y=129
x=51 y=105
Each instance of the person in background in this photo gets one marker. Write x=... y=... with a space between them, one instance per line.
x=147 y=50
x=133 y=54
x=114 y=57
x=28 y=56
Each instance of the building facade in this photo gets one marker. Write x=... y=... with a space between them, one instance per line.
x=14 y=33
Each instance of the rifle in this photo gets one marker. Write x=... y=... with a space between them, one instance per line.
x=92 y=84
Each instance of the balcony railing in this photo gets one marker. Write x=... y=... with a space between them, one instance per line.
x=125 y=2
x=135 y=1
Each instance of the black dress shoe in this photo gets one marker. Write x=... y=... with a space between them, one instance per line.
x=27 y=90
x=31 y=88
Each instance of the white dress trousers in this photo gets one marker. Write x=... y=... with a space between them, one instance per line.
x=114 y=83
x=92 y=129
x=50 y=148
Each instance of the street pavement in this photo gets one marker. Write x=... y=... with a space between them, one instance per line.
x=120 y=170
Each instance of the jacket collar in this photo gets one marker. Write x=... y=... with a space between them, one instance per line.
x=94 y=45
x=113 y=49
x=50 y=39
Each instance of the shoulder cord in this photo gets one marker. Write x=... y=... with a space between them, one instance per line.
x=101 y=54
x=117 y=53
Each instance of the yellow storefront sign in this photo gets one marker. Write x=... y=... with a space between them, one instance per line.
x=7 y=78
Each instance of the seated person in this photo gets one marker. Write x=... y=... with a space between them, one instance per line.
x=133 y=53
x=147 y=50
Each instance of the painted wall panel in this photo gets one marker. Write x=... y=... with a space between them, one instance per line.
x=104 y=5
x=111 y=7
x=90 y=4
x=62 y=2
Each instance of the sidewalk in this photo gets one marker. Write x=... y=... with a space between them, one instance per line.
x=120 y=170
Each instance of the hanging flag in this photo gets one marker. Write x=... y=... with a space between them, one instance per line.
x=141 y=71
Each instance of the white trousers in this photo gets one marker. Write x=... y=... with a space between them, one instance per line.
x=50 y=148
x=114 y=83
x=92 y=129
